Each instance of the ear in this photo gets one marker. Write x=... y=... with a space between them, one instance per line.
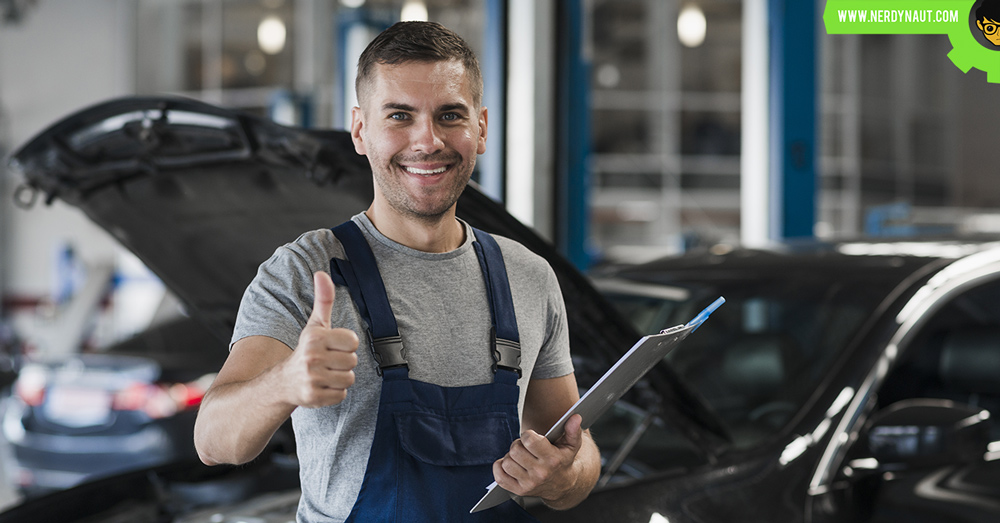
x=980 y=24
x=482 y=130
x=357 y=122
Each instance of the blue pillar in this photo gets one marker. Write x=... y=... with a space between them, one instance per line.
x=493 y=63
x=794 y=149
x=573 y=147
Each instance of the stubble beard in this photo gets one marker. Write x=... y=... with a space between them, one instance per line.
x=410 y=205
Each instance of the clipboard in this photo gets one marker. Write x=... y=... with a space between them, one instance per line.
x=624 y=374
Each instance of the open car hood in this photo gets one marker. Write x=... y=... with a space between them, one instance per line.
x=202 y=195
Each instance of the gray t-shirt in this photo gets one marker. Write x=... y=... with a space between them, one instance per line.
x=439 y=300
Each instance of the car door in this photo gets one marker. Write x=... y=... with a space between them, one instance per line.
x=944 y=361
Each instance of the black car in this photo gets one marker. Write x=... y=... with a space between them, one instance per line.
x=840 y=382
x=853 y=381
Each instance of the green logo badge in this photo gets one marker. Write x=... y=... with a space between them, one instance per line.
x=972 y=26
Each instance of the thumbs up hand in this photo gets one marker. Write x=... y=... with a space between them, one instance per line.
x=321 y=368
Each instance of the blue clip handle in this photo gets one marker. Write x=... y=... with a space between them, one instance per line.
x=703 y=315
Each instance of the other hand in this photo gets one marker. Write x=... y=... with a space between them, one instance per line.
x=536 y=467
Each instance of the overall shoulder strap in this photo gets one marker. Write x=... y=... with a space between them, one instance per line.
x=364 y=282
x=506 y=343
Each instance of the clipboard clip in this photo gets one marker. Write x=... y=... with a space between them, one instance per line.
x=704 y=314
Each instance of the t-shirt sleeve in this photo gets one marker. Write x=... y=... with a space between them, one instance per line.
x=554 y=357
x=278 y=301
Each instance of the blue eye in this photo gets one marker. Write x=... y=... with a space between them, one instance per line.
x=450 y=117
x=398 y=116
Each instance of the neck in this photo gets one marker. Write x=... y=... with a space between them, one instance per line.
x=428 y=234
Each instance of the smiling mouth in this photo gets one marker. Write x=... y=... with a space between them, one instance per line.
x=425 y=172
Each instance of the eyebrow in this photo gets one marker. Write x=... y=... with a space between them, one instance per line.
x=453 y=107
x=393 y=106
x=398 y=107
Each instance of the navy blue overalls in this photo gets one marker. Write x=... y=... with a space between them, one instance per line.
x=434 y=447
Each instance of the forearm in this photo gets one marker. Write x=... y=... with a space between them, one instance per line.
x=586 y=471
x=236 y=420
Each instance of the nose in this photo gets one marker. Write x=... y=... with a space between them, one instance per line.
x=426 y=137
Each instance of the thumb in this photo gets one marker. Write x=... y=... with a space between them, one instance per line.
x=323 y=300
x=573 y=433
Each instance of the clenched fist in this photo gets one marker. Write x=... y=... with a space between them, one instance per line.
x=322 y=366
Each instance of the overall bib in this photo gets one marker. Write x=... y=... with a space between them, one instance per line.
x=434 y=447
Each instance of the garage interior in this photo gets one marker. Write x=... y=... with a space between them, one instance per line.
x=620 y=130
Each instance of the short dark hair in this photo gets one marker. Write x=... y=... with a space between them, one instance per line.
x=418 y=42
x=988 y=9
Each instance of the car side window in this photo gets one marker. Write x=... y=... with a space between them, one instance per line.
x=956 y=356
x=926 y=443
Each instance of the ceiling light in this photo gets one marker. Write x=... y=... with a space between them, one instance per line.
x=271 y=35
x=413 y=11
x=608 y=75
x=691 y=26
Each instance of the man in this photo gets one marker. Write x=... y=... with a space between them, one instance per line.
x=419 y=421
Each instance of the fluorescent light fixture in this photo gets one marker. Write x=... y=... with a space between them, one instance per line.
x=691 y=26
x=271 y=35
x=354 y=4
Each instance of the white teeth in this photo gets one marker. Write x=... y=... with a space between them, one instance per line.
x=414 y=170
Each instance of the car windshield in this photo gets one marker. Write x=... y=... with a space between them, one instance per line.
x=759 y=357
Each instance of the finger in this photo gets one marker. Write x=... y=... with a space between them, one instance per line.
x=573 y=433
x=336 y=380
x=514 y=469
x=317 y=343
x=522 y=455
x=345 y=340
x=322 y=300
x=534 y=443
x=320 y=397
x=502 y=478
x=511 y=470
x=336 y=360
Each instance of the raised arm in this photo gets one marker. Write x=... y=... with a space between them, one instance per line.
x=263 y=381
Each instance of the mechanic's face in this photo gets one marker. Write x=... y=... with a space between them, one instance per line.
x=989 y=29
x=421 y=131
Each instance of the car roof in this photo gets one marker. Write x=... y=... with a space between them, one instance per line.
x=885 y=259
